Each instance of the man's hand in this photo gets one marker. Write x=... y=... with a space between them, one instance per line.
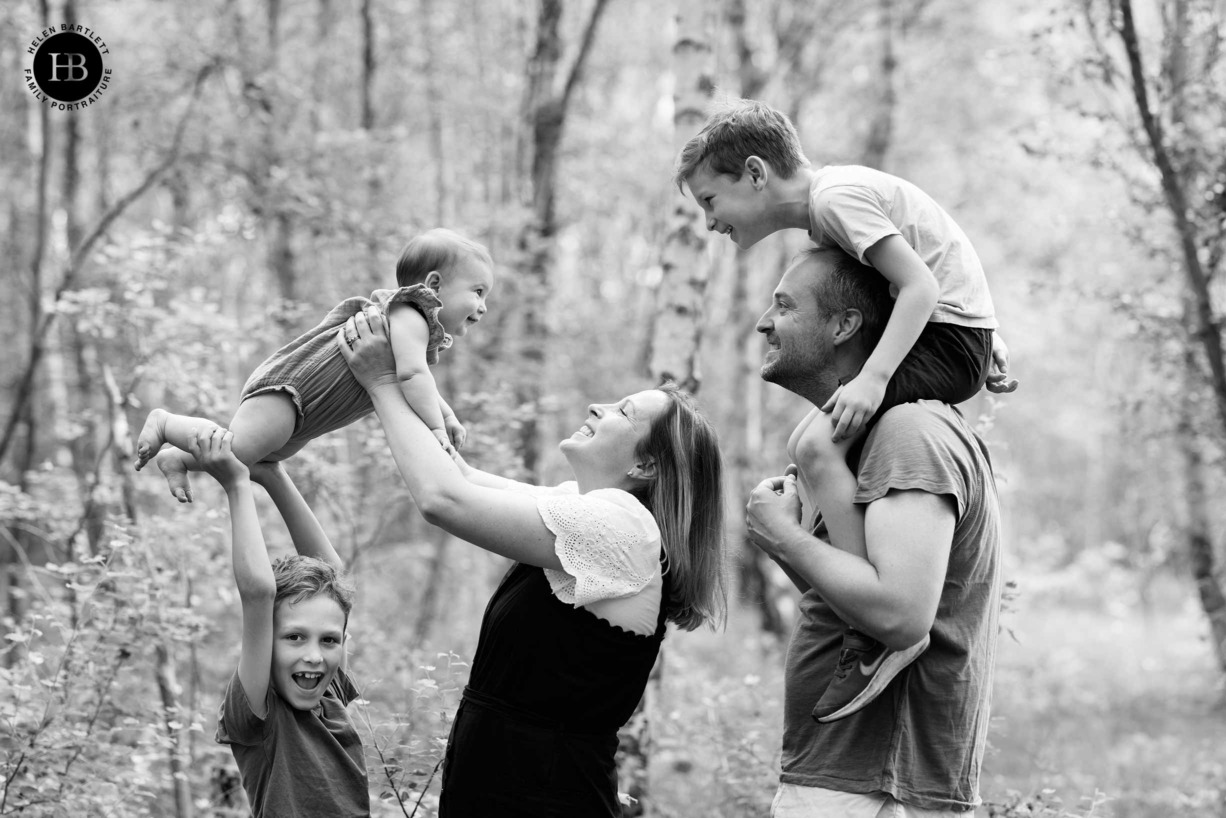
x=998 y=377
x=455 y=431
x=773 y=512
x=853 y=404
x=211 y=448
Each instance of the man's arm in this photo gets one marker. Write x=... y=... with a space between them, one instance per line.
x=893 y=595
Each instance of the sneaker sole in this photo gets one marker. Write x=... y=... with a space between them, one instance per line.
x=890 y=667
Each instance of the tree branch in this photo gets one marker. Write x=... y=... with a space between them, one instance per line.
x=76 y=260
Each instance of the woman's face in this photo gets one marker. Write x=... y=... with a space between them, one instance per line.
x=601 y=451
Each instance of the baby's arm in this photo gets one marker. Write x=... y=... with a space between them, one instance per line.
x=410 y=336
x=857 y=400
x=455 y=430
x=252 y=570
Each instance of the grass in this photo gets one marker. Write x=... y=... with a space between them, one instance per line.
x=1103 y=707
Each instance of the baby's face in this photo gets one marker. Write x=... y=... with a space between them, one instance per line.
x=463 y=291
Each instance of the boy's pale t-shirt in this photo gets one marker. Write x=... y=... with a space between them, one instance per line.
x=854 y=207
x=297 y=763
x=922 y=741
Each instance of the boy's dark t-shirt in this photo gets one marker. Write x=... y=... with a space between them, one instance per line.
x=297 y=763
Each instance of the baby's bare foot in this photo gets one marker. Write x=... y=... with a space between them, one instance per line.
x=173 y=465
x=152 y=437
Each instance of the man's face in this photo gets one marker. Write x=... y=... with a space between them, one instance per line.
x=798 y=334
x=733 y=208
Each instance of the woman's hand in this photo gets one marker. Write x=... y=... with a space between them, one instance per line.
x=368 y=351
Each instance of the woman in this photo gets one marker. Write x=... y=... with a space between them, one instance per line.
x=564 y=652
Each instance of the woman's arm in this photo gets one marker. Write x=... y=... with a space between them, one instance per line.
x=503 y=522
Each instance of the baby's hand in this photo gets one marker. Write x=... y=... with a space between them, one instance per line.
x=443 y=440
x=853 y=404
x=998 y=378
x=211 y=448
x=455 y=431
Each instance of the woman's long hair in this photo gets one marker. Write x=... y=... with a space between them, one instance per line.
x=687 y=500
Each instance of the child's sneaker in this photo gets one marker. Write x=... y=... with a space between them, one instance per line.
x=865 y=668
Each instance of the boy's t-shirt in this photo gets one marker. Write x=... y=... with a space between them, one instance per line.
x=854 y=207
x=297 y=763
x=922 y=740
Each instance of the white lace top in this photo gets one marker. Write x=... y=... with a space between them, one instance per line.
x=609 y=547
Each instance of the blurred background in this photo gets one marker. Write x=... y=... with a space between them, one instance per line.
x=252 y=162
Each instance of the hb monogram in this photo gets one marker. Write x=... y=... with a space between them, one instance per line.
x=76 y=62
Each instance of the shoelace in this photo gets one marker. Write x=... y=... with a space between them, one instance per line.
x=847 y=660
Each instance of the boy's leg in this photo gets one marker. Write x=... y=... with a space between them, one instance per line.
x=262 y=426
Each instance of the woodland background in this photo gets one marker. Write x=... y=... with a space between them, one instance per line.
x=253 y=161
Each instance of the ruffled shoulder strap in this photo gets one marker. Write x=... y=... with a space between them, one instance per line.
x=425 y=301
x=608 y=545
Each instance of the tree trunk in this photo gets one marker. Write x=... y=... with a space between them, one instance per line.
x=881 y=128
x=1199 y=519
x=677 y=330
x=176 y=724
x=1174 y=190
x=545 y=109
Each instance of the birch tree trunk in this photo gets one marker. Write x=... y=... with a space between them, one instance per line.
x=545 y=109
x=677 y=329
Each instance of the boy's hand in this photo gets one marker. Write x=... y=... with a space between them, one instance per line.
x=443 y=440
x=998 y=378
x=211 y=448
x=455 y=431
x=853 y=404
x=266 y=472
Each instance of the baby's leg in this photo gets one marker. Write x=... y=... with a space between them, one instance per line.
x=262 y=426
x=162 y=427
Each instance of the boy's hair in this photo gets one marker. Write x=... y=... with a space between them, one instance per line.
x=736 y=130
x=687 y=500
x=851 y=285
x=300 y=578
x=435 y=250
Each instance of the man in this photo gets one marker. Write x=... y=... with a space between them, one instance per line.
x=925 y=506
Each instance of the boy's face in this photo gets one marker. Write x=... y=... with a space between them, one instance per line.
x=307 y=650
x=736 y=209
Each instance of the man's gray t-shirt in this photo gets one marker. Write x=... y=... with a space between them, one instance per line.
x=922 y=740
x=297 y=763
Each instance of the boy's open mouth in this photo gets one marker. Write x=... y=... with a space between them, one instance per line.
x=307 y=680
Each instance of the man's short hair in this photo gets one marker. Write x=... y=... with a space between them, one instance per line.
x=300 y=578
x=736 y=130
x=851 y=285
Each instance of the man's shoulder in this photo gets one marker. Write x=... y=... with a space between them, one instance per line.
x=925 y=424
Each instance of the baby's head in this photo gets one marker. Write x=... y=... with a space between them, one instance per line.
x=310 y=615
x=735 y=131
x=459 y=269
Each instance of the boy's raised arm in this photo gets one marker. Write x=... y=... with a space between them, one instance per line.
x=252 y=570
x=309 y=537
